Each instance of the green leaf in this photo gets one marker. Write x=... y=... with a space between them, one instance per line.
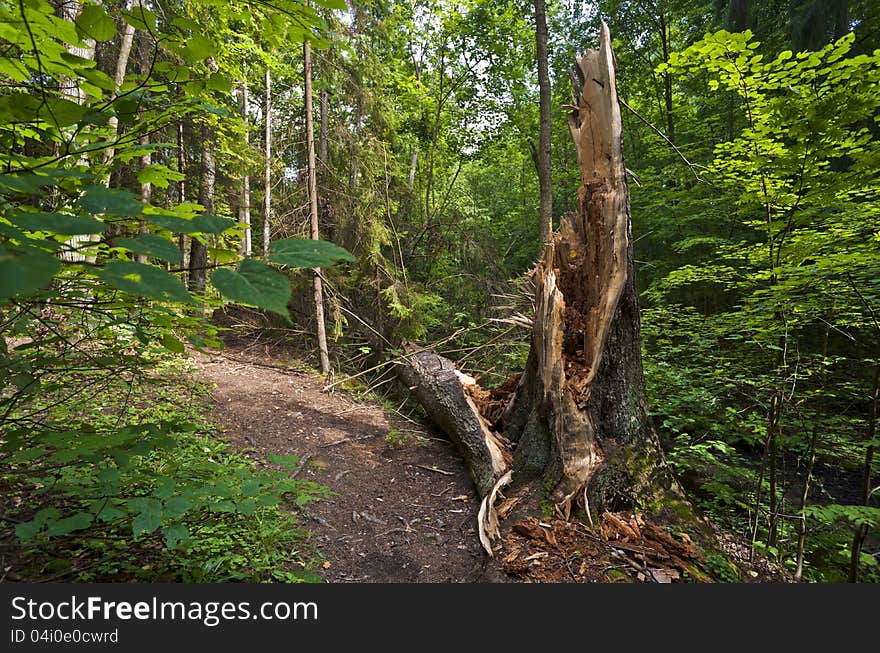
x=151 y=245
x=219 y=82
x=175 y=534
x=332 y=4
x=59 y=223
x=109 y=513
x=61 y=112
x=144 y=280
x=27 y=530
x=141 y=18
x=113 y=201
x=23 y=183
x=211 y=224
x=158 y=175
x=177 y=506
x=67 y=525
x=172 y=344
x=198 y=48
x=24 y=271
x=254 y=284
x=302 y=253
x=149 y=515
x=94 y=23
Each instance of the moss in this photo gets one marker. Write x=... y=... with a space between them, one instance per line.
x=618 y=575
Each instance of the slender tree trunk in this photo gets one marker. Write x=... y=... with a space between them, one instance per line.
x=542 y=158
x=313 y=208
x=737 y=15
x=862 y=531
x=146 y=159
x=181 y=197
x=267 y=171
x=805 y=491
x=125 y=44
x=198 y=256
x=413 y=163
x=244 y=210
x=69 y=88
x=773 y=446
x=667 y=79
x=323 y=165
x=322 y=136
x=841 y=18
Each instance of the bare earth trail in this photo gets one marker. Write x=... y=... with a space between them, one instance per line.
x=393 y=518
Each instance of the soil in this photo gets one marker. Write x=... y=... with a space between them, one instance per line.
x=404 y=508
x=402 y=511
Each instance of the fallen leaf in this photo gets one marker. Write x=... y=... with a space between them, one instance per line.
x=326 y=564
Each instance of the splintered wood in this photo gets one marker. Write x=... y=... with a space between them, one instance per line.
x=626 y=548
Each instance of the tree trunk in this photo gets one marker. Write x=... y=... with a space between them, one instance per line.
x=125 y=44
x=862 y=531
x=181 y=196
x=244 y=210
x=267 y=170
x=198 y=255
x=667 y=79
x=446 y=396
x=578 y=418
x=324 y=209
x=737 y=15
x=313 y=208
x=146 y=159
x=70 y=90
x=542 y=156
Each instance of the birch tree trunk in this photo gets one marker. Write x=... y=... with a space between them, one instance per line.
x=313 y=208
x=125 y=44
x=244 y=211
x=267 y=170
x=70 y=88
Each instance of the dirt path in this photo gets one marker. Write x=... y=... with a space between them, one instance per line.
x=393 y=518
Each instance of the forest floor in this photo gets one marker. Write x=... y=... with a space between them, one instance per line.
x=404 y=508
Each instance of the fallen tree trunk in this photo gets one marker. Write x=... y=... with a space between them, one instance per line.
x=445 y=395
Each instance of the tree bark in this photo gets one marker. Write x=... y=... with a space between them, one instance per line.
x=198 y=255
x=125 y=44
x=738 y=15
x=445 y=394
x=542 y=156
x=70 y=89
x=313 y=209
x=667 y=79
x=862 y=531
x=244 y=210
x=181 y=196
x=267 y=170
